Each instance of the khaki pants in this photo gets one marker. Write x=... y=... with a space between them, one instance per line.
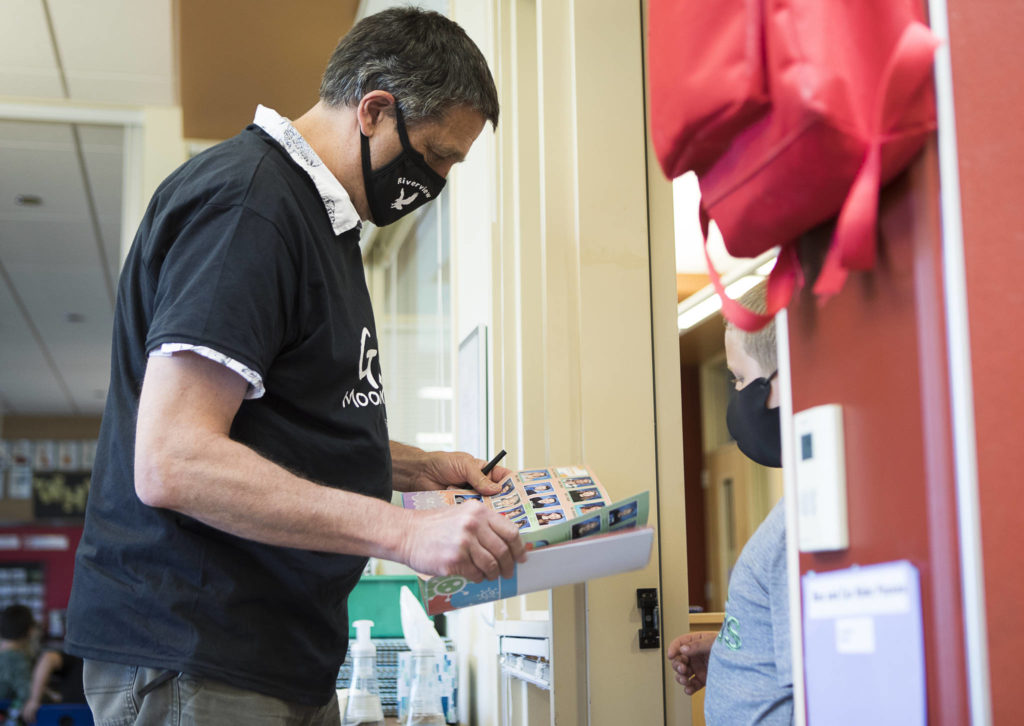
x=121 y=695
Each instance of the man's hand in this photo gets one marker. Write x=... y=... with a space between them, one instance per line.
x=689 y=656
x=457 y=469
x=418 y=470
x=468 y=540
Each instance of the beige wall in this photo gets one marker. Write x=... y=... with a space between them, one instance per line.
x=50 y=427
x=233 y=56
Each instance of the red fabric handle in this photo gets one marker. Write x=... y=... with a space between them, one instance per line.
x=783 y=281
x=854 y=243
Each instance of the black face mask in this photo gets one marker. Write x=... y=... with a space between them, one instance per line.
x=402 y=185
x=755 y=428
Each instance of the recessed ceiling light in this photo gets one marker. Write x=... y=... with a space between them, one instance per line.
x=74 y=317
x=28 y=200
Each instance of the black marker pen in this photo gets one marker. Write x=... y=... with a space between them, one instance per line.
x=493 y=462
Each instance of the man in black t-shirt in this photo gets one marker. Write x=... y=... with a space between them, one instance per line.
x=244 y=469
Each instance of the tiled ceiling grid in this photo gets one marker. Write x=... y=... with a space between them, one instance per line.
x=60 y=188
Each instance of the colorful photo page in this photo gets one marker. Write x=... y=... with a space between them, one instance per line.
x=548 y=505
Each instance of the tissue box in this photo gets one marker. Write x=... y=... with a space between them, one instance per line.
x=447 y=676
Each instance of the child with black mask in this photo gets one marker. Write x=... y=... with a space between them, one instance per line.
x=747 y=665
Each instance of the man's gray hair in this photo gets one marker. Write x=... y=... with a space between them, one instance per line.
x=423 y=59
x=759 y=345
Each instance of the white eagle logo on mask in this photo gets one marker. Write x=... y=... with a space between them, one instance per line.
x=402 y=201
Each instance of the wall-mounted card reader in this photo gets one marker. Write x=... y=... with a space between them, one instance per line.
x=821 y=479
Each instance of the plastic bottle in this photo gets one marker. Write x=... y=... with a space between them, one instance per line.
x=425 y=691
x=363 y=705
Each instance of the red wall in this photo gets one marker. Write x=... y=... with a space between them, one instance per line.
x=59 y=564
x=986 y=38
x=878 y=349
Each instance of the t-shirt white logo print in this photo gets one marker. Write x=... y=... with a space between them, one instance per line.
x=368 y=356
x=375 y=396
x=402 y=201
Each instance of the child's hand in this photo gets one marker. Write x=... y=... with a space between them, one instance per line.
x=689 y=656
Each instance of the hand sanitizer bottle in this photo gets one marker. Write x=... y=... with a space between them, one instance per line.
x=363 y=705
x=425 y=692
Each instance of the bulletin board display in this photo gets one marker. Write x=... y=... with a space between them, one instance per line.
x=38 y=562
x=23 y=583
x=45 y=478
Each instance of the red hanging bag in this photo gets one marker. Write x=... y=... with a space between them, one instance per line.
x=790 y=112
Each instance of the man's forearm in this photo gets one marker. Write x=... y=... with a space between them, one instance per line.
x=227 y=485
x=407 y=464
x=186 y=461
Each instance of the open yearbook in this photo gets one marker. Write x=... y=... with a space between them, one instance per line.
x=574 y=533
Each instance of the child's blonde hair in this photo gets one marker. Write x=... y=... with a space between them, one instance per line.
x=760 y=345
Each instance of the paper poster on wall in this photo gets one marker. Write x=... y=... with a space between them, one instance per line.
x=45 y=454
x=864 y=646
x=88 y=454
x=19 y=482
x=21 y=452
x=69 y=455
x=60 y=495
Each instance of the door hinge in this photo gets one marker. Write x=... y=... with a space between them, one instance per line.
x=647 y=602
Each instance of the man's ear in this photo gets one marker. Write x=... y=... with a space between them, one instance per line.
x=373 y=108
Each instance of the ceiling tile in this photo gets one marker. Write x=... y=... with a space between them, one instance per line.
x=48 y=169
x=15 y=133
x=114 y=88
x=85 y=366
x=26 y=382
x=104 y=164
x=110 y=228
x=20 y=83
x=51 y=291
x=36 y=395
x=46 y=242
x=27 y=63
x=51 y=255
x=102 y=138
x=103 y=149
x=80 y=351
x=117 y=50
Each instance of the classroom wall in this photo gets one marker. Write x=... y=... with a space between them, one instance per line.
x=30 y=540
x=985 y=42
x=14 y=427
x=900 y=466
x=878 y=349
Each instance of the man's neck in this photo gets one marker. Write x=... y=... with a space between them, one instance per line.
x=333 y=132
